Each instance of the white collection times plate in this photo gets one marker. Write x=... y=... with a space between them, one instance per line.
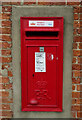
x=40 y=62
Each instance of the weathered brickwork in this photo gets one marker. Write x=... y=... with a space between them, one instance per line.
x=6 y=75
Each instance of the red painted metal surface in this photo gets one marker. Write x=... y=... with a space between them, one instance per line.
x=42 y=91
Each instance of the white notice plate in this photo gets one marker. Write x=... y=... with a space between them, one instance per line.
x=39 y=23
x=40 y=62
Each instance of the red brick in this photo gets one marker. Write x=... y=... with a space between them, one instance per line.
x=72 y=73
x=77 y=9
x=77 y=38
x=5 y=30
x=75 y=94
x=6 y=38
x=6 y=23
x=77 y=73
x=76 y=24
x=6 y=45
x=7 y=86
x=80 y=107
x=80 y=101
x=29 y=2
x=80 y=60
x=6 y=16
x=80 y=23
x=76 y=67
x=6 y=59
x=4 y=107
x=80 y=9
x=80 y=45
x=76 y=17
x=74 y=60
x=75 y=108
x=4 y=79
x=73 y=87
x=7 y=113
x=6 y=100
x=76 y=81
x=76 y=101
x=4 y=93
x=0 y=44
x=74 y=2
x=6 y=8
x=79 y=114
x=5 y=66
x=10 y=74
x=6 y=52
x=75 y=31
x=1 y=86
x=73 y=101
x=81 y=3
x=0 y=59
x=73 y=114
x=80 y=16
x=74 y=45
x=11 y=3
x=51 y=2
x=77 y=52
x=79 y=31
x=79 y=87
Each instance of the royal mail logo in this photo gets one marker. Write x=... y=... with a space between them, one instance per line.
x=32 y=24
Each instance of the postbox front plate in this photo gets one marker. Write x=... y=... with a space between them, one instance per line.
x=42 y=64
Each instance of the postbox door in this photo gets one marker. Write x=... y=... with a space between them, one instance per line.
x=41 y=77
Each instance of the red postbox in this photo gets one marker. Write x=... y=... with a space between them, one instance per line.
x=42 y=63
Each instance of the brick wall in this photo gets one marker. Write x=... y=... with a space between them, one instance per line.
x=6 y=75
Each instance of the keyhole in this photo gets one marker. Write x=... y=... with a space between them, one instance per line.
x=33 y=75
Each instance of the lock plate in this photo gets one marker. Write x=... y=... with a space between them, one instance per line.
x=41 y=49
